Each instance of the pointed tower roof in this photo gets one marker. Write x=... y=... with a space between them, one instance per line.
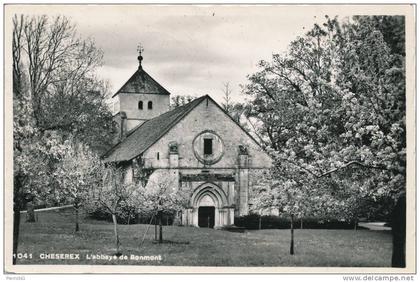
x=142 y=83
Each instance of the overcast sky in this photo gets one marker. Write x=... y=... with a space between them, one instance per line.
x=190 y=50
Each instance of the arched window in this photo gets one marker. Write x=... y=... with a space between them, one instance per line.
x=140 y=105
x=150 y=105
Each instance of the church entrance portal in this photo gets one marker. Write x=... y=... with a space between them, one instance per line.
x=209 y=207
x=206 y=217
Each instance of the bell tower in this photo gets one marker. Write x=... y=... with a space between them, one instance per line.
x=141 y=98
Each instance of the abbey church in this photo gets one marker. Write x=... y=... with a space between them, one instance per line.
x=205 y=150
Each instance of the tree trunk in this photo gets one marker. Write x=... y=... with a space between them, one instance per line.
x=301 y=223
x=155 y=220
x=30 y=212
x=187 y=215
x=355 y=223
x=117 y=239
x=399 y=232
x=259 y=223
x=17 y=206
x=16 y=224
x=292 y=243
x=76 y=210
x=160 y=228
x=129 y=217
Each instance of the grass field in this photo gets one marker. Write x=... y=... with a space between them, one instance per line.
x=54 y=233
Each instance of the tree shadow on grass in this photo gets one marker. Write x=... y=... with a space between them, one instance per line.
x=171 y=242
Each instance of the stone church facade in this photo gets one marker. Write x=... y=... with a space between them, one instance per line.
x=202 y=147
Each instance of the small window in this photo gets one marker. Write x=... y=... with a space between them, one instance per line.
x=208 y=146
x=150 y=105
x=157 y=155
x=140 y=105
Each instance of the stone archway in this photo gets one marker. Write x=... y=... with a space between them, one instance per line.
x=207 y=199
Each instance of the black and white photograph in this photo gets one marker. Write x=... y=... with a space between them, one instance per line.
x=209 y=138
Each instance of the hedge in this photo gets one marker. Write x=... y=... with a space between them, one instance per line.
x=252 y=221
x=135 y=218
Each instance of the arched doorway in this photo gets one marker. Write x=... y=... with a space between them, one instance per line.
x=209 y=207
x=206 y=217
x=206 y=211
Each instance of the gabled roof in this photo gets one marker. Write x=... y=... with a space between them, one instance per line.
x=142 y=83
x=141 y=138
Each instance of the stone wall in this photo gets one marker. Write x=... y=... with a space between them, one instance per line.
x=129 y=103
x=206 y=116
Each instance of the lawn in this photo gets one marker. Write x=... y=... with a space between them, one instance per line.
x=54 y=233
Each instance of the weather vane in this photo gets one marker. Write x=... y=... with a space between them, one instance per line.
x=140 y=49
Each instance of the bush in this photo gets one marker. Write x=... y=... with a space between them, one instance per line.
x=326 y=223
x=252 y=221
x=101 y=213
x=167 y=219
